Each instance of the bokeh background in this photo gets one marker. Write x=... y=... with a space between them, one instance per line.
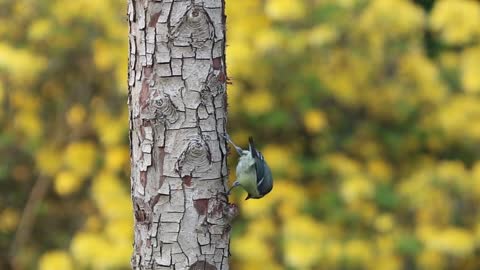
x=368 y=112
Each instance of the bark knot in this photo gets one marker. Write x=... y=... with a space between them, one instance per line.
x=202 y=265
x=195 y=158
x=160 y=108
x=194 y=28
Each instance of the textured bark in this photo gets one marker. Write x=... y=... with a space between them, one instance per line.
x=177 y=100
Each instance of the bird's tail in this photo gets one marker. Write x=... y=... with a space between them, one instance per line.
x=251 y=147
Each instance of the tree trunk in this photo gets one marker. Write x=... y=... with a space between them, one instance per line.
x=177 y=100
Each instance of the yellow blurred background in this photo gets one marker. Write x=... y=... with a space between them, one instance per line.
x=368 y=112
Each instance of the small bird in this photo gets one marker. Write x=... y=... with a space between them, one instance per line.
x=253 y=173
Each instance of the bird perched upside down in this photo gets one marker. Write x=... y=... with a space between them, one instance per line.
x=253 y=173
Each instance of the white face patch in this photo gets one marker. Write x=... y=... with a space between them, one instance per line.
x=245 y=166
x=246 y=159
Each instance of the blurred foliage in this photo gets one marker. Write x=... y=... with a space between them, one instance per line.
x=367 y=111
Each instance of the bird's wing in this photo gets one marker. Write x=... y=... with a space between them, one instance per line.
x=260 y=168
x=265 y=183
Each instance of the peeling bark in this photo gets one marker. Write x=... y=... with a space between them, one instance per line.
x=177 y=101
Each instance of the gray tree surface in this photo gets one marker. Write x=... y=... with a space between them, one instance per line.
x=177 y=100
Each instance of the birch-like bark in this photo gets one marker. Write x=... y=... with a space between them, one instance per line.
x=177 y=100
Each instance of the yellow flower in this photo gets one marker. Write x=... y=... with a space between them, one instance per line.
x=116 y=258
x=111 y=130
x=55 y=260
x=286 y=209
x=292 y=197
x=39 y=29
x=29 y=124
x=85 y=247
x=322 y=35
x=53 y=90
x=76 y=115
x=258 y=102
x=67 y=182
x=287 y=196
x=392 y=17
x=279 y=158
x=384 y=223
x=269 y=264
x=457 y=242
x=474 y=131
x=449 y=60
x=303 y=241
x=476 y=179
x=24 y=101
x=80 y=157
x=470 y=75
x=93 y=224
x=20 y=64
x=240 y=55
x=111 y=198
x=477 y=234
x=298 y=44
x=430 y=259
x=299 y=255
x=451 y=241
x=359 y=252
x=94 y=251
x=120 y=232
x=235 y=92
x=388 y=262
x=342 y=3
x=268 y=40
x=418 y=71
x=343 y=165
x=386 y=244
x=116 y=158
x=104 y=57
x=285 y=10
x=251 y=247
x=356 y=188
x=379 y=170
x=458 y=117
x=241 y=137
x=121 y=76
x=304 y=228
x=65 y=12
x=2 y=92
x=256 y=208
x=315 y=121
x=453 y=173
x=333 y=253
x=46 y=160
x=263 y=227
x=23 y=9
x=8 y=220
x=457 y=21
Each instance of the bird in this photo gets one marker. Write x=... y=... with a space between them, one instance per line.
x=252 y=173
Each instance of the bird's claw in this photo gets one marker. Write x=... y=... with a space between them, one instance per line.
x=225 y=193
x=223 y=196
x=226 y=136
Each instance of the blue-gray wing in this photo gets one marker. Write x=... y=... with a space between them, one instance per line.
x=264 y=176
